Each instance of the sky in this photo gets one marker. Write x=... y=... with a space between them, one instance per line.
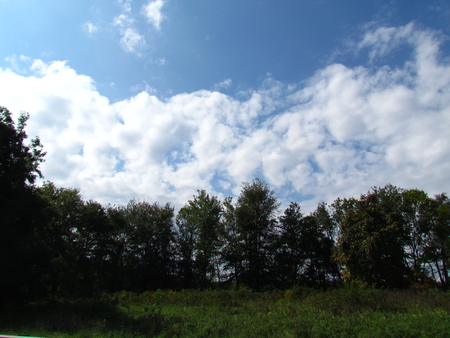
x=156 y=99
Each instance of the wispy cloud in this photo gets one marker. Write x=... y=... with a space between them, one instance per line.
x=125 y=4
x=90 y=28
x=223 y=85
x=161 y=61
x=131 y=40
x=342 y=131
x=123 y=21
x=15 y=61
x=152 y=11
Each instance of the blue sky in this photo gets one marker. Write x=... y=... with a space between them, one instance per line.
x=155 y=99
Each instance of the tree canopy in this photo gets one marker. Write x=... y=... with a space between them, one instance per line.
x=53 y=243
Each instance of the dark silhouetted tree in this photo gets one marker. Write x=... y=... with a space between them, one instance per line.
x=22 y=254
x=198 y=225
x=256 y=219
x=150 y=246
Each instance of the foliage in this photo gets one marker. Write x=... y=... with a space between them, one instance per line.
x=198 y=225
x=55 y=244
x=256 y=212
x=22 y=255
x=386 y=237
x=148 y=243
x=298 y=312
x=19 y=163
x=304 y=254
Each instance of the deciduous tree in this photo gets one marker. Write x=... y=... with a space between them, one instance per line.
x=21 y=254
x=256 y=219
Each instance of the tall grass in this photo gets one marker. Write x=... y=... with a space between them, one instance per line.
x=299 y=312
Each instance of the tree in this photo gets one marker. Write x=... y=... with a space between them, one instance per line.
x=289 y=258
x=83 y=242
x=372 y=237
x=198 y=225
x=437 y=244
x=231 y=251
x=149 y=245
x=417 y=210
x=19 y=163
x=256 y=212
x=64 y=208
x=21 y=254
x=304 y=254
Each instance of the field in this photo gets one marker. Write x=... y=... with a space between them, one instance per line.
x=300 y=312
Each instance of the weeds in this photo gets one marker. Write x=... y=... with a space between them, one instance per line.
x=299 y=312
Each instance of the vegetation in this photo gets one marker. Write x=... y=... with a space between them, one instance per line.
x=112 y=259
x=297 y=312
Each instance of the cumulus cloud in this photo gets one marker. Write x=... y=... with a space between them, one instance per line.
x=152 y=11
x=345 y=130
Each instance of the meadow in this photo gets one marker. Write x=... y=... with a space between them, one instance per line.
x=297 y=312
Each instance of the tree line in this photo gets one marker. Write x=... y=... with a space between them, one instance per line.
x=53 y=243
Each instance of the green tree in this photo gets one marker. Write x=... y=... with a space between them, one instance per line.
x=96 y=240
x=149 y=246
x=22 y=253
x=199 y=227
x=372 y=238
x=256 y=219
x=83 y=243
x=417 y=210
x=304 y=254
x=437 y=245
x=289 y=258
x=231 y=250
x=64 y=211
x=19 y=163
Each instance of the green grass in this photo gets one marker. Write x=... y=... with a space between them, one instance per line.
x=218 y=313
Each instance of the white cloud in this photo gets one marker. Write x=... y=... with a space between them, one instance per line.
x=131 y=40
x=125 y=4
x=344 y=131
x=13 y=61
x=152 y=11
x=90 y=27
x=223 y=85
x=123 y=20
x=161 y=62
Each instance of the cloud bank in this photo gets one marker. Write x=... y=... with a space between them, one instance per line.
x=336 y=135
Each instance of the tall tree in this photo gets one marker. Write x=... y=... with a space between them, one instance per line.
x=289 y=258
x=416 y=208
x=371 y=239
x=304 y=254
x=150 y=245
x=198 y=223
x=82 y=240
x=64 y=211
x=21 y=254
x=437 y=247
x=256 y=219
x=231 y=250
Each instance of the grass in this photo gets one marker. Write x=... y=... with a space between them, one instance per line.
x=298 y=312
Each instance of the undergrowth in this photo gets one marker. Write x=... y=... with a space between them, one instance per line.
x=298 y=312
